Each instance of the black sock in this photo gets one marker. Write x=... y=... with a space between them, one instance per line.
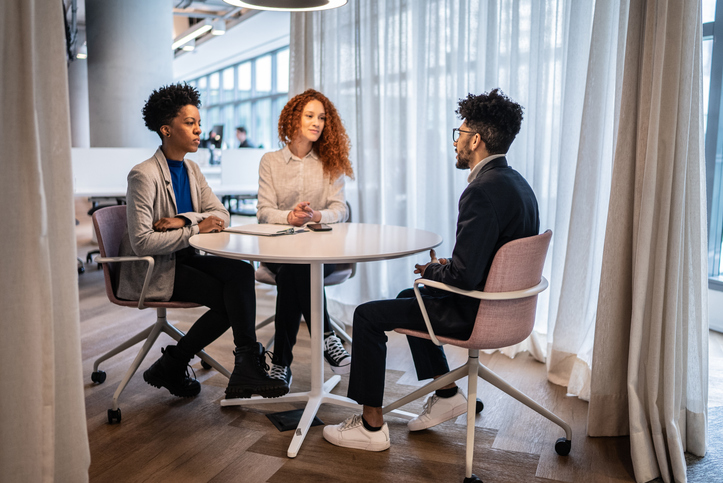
x=445 y=393
x=369 y=427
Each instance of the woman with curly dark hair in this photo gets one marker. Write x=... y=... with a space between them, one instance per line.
x=304 y=183
x=168 y=202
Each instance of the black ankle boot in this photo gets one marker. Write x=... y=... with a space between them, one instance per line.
x=250 y=377
x=171 y=372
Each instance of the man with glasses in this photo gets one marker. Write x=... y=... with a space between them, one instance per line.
x=497 y=206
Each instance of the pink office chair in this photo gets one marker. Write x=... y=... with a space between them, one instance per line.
x=342 y=273
x=110 y=224
x=505 y=317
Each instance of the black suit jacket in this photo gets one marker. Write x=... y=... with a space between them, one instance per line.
x=498 y=206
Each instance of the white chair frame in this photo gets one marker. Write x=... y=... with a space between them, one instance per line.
x=473 y=368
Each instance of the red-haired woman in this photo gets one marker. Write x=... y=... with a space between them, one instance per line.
x=304 y=183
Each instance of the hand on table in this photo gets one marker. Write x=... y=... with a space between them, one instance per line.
x=302 y=213
x=420 y=268
x=165 y=224
x=212 y=224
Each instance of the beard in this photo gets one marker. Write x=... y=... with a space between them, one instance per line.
x=464 y=158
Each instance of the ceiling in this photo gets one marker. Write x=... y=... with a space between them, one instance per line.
x=186 y=13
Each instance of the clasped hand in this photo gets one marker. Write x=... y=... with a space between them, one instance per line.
x=420 y=268
x=302 y=213
x=166 y=224
x=211 y=224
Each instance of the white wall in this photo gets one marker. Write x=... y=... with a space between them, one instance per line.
x=261 y=33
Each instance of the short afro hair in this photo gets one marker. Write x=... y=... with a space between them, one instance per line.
x=165 y=103
x=494 y=116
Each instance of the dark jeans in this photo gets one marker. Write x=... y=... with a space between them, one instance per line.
x=450 y=315
x=293 y=299
x=227 y=288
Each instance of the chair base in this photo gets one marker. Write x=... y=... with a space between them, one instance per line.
x=471 y=369
x=150 y=335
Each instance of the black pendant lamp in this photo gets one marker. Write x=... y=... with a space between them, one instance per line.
x=288 y=5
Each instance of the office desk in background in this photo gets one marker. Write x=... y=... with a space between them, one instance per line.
x=345 y=243
x=100 y=174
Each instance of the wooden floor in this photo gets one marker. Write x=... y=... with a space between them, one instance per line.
x=164 y=438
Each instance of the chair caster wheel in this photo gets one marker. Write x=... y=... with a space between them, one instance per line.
x=206 y=365
x=479 y=407
x=98 y=377
x=563 y=446
x=81 y=269
x=114 y=416
x=473 y=479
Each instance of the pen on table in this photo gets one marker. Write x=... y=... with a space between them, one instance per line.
x=291 y=231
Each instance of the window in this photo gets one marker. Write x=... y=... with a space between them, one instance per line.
x=250 y=94
x=712 y=51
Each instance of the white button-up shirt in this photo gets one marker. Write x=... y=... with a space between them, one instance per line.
x=286 y=180
x=473 y=172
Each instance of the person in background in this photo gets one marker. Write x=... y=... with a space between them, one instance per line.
x=303 y=183
x=497 y=206
x=168 y=202
x=242 y=138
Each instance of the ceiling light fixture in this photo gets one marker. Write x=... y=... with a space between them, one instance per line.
x=192 y=33
x=288 y=5
x=82 y=52
x=219 y=27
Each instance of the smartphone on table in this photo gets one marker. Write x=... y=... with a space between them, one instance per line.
x=318 y=227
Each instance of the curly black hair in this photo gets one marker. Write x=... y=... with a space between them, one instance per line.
x=165 y=103
x=494 y=116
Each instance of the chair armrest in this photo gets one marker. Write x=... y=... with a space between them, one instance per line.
x=149 y=272
x=477 y=294
x=517 y=294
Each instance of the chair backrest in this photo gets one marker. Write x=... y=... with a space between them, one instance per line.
x=347 y=266
x=110 y=225
x=516 y=266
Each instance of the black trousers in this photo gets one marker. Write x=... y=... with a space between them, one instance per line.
x=227 y=288
x=293 y=299
x=449 y=314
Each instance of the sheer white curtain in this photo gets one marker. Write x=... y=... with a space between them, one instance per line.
x=650 y=366
x=396 y=69
x=43 y=434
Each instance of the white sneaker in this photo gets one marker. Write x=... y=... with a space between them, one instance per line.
x=438 y=410
x=352 y=434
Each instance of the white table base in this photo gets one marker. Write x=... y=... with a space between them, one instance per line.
x=320 y=390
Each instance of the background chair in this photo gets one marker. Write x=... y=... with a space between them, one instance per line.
x=505 y=317
x=342 y=273
x=110 y=224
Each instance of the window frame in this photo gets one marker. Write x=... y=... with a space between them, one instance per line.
x=255 y=99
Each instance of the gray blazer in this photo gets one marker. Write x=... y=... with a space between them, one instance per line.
x=150 y=197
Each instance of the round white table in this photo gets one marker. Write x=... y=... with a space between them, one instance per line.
x=345 y=243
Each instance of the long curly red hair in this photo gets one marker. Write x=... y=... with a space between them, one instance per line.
x=333 y=145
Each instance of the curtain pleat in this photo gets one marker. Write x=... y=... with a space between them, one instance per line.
x=43 y=433
x=650 y=359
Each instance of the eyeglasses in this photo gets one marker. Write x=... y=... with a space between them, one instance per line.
x=456 y=133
